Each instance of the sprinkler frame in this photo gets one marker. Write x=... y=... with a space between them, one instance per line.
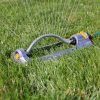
x=81 y=39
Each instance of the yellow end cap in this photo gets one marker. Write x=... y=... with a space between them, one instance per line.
x=17 y=56
x=84 y=34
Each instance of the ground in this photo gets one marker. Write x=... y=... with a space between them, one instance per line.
x=70 y=77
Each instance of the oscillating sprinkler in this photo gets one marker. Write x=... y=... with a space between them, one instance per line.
x=79 y=40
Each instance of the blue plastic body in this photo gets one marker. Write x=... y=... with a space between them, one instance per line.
x=81 y=41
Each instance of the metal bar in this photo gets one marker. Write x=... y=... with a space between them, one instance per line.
x=59 y=53
x=48 y=46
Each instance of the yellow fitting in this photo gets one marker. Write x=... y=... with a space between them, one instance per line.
x=84 y=34
x=17 y=56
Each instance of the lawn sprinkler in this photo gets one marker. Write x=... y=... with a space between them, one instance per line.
x=79 y=40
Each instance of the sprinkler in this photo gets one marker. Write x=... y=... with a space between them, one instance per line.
x=79 y=40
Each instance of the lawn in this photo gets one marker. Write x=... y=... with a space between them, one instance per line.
x=74 y=76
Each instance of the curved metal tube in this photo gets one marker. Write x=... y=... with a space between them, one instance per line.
x=47 y=35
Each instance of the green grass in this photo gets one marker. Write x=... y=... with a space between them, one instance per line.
x=70 y=77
